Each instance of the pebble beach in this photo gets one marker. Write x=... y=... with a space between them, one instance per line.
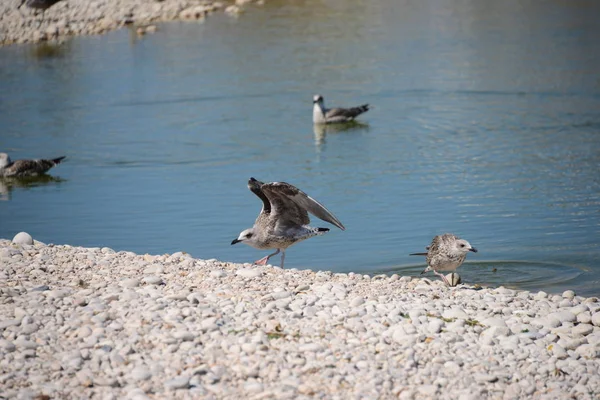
x=83 y=17
x=81 y=322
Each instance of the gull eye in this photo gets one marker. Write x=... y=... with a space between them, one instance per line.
x=248 y=236
x=462 y=245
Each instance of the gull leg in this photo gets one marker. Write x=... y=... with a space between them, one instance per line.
x=443 y=277
x=282 y=257
x=263 y=261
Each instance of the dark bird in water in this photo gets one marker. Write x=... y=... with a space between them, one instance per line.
x=21 y=168
x=446 y=253
x=322 y=115
x=283 y=220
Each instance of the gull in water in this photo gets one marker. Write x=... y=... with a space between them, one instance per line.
x=21 y=168
x=322 y=115
x=446 y=252
x=283 y=220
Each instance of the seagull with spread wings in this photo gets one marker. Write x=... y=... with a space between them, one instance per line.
x=283 y=220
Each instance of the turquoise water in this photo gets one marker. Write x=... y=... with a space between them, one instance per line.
x=485 y=122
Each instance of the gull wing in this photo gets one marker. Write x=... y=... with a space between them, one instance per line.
x=28 y=167
x=345 y=114
x=255 y=187
x=292 y=204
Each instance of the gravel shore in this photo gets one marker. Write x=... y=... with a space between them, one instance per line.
x=94 y=323
x=92 y=17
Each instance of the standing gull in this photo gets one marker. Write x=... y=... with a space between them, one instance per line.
x=446 y=252
x=322 y=115
x=21 y=168
x=283 y=220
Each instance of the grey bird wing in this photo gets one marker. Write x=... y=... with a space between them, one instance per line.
x=434 y=249
x=255 y=187
x=292 y=205
x=29 y=167
x=345 y=114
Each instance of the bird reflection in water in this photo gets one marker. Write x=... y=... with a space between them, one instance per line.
x=8 y=184
x=55 y=49
x=321 y=131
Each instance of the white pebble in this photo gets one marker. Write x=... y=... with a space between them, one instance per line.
x=596 y=319
x=141 y=373
x=248 y=273
x=23 y=238
x=180 y=382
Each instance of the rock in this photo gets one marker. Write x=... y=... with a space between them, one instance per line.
x=311 y=347
x=105 y=381
x=454 y=279
x=7 y=346
x=140 y=373
x=184 y=335
x=568 y=294
x=357 y=301
x=435 y=326
x=588 y=351
x=428 y=390
x=137 y=394
x=582 y=330
x=496 y=331
x=248 y=273
x=579 y=309
x=494 y=321
x=559 y=352
x=584 y=318
x=541 y=295
x=9 y=322
x=219 y=330
x=596 y=319
x=485 y=378
x=25 y=344
x=564 y=316
x=455 y=312
x=23 y=238
x=180 y=382
x=130 y=283
x=280 y=295
x=218 y=273
x=152 y=280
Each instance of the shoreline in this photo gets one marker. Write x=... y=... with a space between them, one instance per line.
x=83 y=322
x=78 y=17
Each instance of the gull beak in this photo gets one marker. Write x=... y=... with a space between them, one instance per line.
x=473 y=249
x=234 y=241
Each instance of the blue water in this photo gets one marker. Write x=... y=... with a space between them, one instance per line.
x=485 y=122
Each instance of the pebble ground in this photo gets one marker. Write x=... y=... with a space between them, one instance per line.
x=94 y=323
x=92 y=17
